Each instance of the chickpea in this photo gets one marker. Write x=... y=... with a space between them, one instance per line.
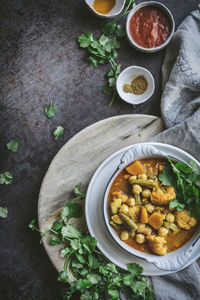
x=146 y=193
x=131 y=201
x=117 y=202
x=140 y=238
x=114 y=208
x=136 y=189
x=163 y=231
x=147 y=231
x=117 y=219
x=150 y=208
x=124 y=235
x=126 y=176
x=142 y=176
x=140 y=228
x=133 y=177
x=124 y=209
x=170 y=218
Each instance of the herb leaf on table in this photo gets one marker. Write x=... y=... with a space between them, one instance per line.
x=58 y=131
x=86 y=269
x=12 y=145
x=186 y=181
x=50 y=110
x=6 y=178
x=3 y=212
x=104 y=49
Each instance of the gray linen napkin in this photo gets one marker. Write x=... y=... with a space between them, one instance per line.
x=180 y=106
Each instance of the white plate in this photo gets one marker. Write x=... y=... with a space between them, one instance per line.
x=95 y=218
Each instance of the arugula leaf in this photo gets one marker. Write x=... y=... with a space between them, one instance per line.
x=3 y=212
x=69 y=231
x=12 y=145
x=6 y=178
x=58 y=131
x=50 y=110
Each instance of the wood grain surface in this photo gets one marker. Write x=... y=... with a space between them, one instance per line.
x=77 y=161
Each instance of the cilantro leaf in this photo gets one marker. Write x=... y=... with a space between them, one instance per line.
x=71 y=210
x=167 y=177
x=114 y=294
x=3 y=212
x=50 y=110
x=6 y=178
x=85 y=40
x=12 y=145
x=194 y=167
x=135 y=269
x=69 y=231
x=58 y=131
x=77 y=191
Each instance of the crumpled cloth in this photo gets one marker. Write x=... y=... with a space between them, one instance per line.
x=180 y=106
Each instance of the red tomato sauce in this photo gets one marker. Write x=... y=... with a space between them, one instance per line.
x=150 y=27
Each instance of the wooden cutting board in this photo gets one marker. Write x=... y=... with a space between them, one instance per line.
x=78 y=159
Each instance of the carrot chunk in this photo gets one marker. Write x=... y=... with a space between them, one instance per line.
x=143 y=215
x=135 y=168
x=156 y=220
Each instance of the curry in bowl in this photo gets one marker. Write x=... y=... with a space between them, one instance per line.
x=143 y=207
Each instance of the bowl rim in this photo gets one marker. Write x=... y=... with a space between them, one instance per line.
x=133 y=11
x=133 y=251
x=108 y=15
x=145 y=98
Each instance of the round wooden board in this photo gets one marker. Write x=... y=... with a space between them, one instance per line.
x=78 y=159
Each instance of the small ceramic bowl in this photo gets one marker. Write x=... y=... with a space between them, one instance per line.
x=126 y=76
x=177 y=259
x=166 y=11
x=115 y=11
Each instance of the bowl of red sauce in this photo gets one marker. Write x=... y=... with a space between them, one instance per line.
x=150 y=26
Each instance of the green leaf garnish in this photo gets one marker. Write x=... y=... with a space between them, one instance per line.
x=50 y=110
x=12 y=145
x=6 y=178
x=186 y=181
x=58 y=131
x=3 y=212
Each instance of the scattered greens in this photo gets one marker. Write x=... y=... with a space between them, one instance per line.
x=6 y=178
x=12 y=145
x=86 y=270
x=50 y=110
x=58 y=131
x=104 y=50
x=186 y=181
x=3 y=212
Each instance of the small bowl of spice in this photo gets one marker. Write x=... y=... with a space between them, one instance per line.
x=106 y=8
x=135 y=85
x=150 y=26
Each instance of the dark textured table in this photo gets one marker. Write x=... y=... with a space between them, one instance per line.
x=41 y=62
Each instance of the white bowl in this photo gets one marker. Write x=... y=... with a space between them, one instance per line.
x=133 y=11
x=115 y=11
x=126 y=76
x=179 y=258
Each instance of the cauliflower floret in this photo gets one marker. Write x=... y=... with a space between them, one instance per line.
x=184 y=220
x=163 y=198
x=134 y=212
x=157 y=244
x=120 y=195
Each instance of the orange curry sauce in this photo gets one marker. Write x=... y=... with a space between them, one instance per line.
x=150 y=27
x=174 y=240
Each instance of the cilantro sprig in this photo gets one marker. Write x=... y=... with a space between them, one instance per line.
x=186 y=181
x=104 y=50
x=6 y=178
x=58 y=131
x=50 y=110
x=86 y=270
x=3 y=212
